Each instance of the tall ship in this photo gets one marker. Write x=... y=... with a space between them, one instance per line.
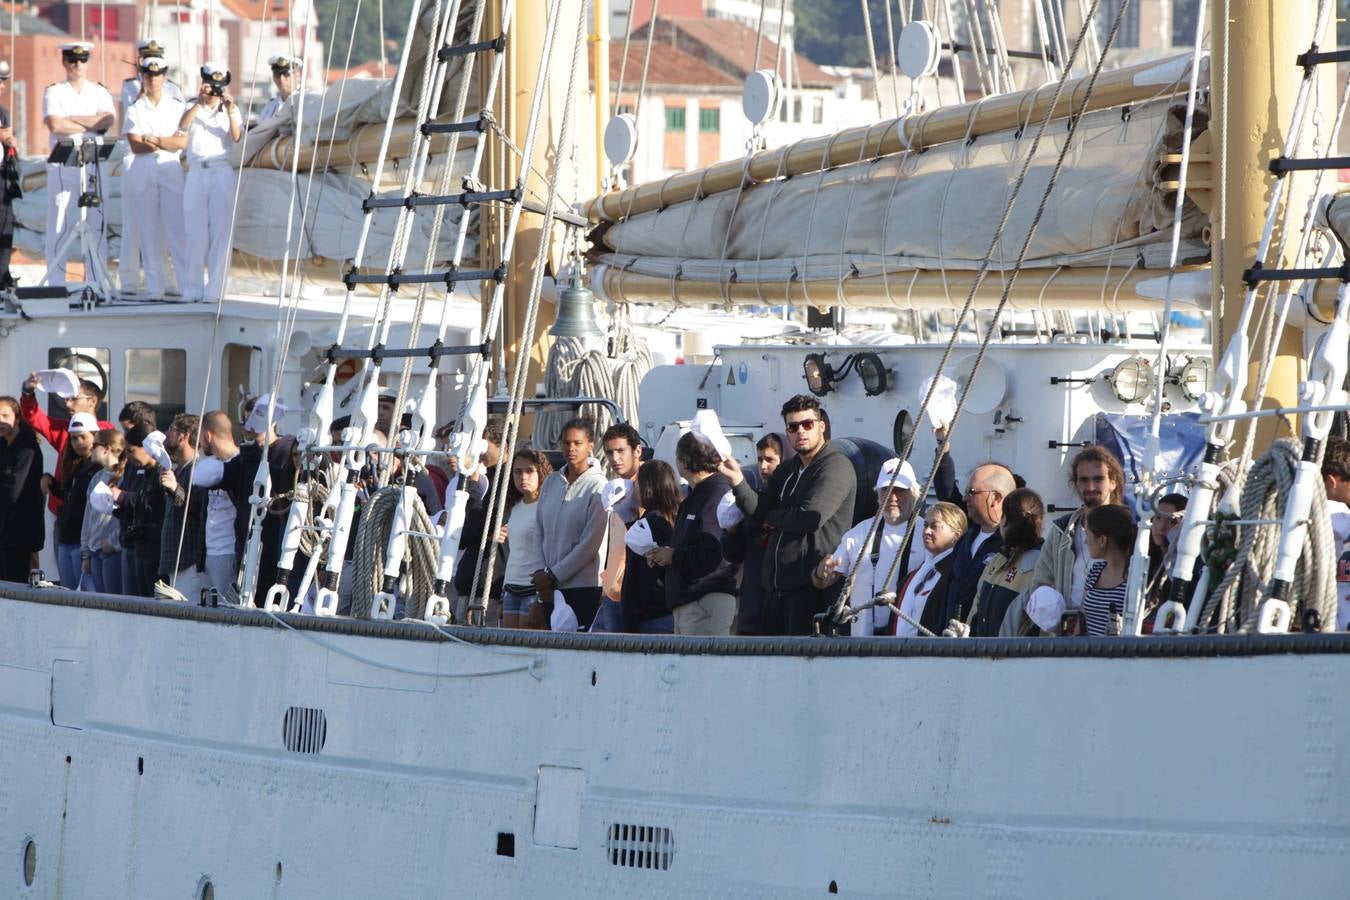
x=1020 y=252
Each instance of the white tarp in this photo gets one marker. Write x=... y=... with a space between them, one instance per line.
x=931 y=210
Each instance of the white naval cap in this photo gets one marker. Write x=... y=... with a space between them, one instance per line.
x=153 y=64
x=149 y=47
x=4 y=70
x=215 y=73
x=76 y=49
x=283 y=63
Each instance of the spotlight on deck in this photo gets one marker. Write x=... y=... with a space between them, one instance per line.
x=819 y=375
x=872 y=371
x=1132 y=380
x=576 y=314
x=1194 y=378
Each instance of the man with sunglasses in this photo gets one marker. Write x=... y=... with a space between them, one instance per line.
x=801 y=514
x=76 y=107
x=989 y=484
x=153 y=184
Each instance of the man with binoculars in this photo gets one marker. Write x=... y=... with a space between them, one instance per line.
x=211 y=124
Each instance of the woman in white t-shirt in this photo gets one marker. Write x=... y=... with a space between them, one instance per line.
x=520 y=535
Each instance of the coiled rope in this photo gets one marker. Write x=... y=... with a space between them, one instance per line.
x=573 y=371
x=420 y=554
x=1264 y=496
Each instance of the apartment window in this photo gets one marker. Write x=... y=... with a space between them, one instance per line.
x=674 y=118
x=797 y=109
x=818 y=111
x=709 y=120
x=157 y=377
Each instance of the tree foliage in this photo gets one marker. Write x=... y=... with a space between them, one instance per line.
x=365 y=43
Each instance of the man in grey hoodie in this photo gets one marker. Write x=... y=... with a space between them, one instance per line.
x=572 y=526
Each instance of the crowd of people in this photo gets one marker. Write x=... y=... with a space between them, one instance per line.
x=178 y=185
x=598 y=537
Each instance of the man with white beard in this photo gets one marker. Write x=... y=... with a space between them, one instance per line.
x=153 y=194
x=211 y=125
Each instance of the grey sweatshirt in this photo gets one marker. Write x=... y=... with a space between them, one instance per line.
x=99 y=533
x=571 y=527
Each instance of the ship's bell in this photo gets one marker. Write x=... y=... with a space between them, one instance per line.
x=576 y=314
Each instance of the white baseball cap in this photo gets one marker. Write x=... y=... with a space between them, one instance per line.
x=82 y=423
x=905 y=481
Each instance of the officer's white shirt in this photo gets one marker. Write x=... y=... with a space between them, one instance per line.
x=148 y=119
x=61 y=99
x=131 y=92
x=273 y=106
x=209 y=135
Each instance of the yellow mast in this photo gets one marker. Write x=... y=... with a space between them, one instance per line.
x=1263 y=40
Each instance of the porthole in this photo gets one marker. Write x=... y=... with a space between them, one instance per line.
x=29 y=862
x=206 y=890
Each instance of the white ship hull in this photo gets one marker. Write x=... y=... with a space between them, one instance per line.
x=1172 y=767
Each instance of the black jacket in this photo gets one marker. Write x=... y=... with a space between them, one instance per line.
x=21 y=525
x=74 y=500
x=964 y=579
x=804 y=513
x=936 y=607
x=476 y=514
x=698 y=565
x=643 y=594
x=238 y=483
x=140 y=509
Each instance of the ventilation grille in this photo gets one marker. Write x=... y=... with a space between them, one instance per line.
x=304 y=729
x=640 y=846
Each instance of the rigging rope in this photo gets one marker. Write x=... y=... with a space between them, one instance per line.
x=1264 y=495
x=420 y=555
x=1009 y=280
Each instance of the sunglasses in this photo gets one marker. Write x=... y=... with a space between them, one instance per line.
x=802 y=425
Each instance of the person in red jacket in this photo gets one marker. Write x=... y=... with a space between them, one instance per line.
x=56 y=431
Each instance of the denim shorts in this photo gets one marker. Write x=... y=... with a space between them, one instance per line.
x=516 y=600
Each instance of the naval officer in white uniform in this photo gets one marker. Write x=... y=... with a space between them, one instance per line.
x=130 y=264
x=153 y=187
x=211 y=125
x=285 y=69
x=76 y=107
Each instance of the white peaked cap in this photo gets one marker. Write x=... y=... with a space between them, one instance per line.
x=82 y=423
x=154 y=445
x=101 y=498
x=942 y=405
x=564 y=618
x=615 y=492
x=61 y=382
x=904 y=481
x=729 y=515
x=257 y=419
x=1045 y=607
x=639 y=538
x=708 y=429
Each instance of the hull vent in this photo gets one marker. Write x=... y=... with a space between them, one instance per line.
x=304 y=729
x=640 y=846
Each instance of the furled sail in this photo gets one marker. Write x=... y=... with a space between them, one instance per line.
x=858 y=231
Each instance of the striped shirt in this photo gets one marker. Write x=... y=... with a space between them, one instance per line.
x=1100 y=604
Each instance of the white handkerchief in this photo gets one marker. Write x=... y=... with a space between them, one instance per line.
x=942 y=406
x=639 y=538
x=1045 y=607
x=564 y=618
x=154 y=445
x=61 y=382
x=729 y=515
x=707 y=429
x=101 y=499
